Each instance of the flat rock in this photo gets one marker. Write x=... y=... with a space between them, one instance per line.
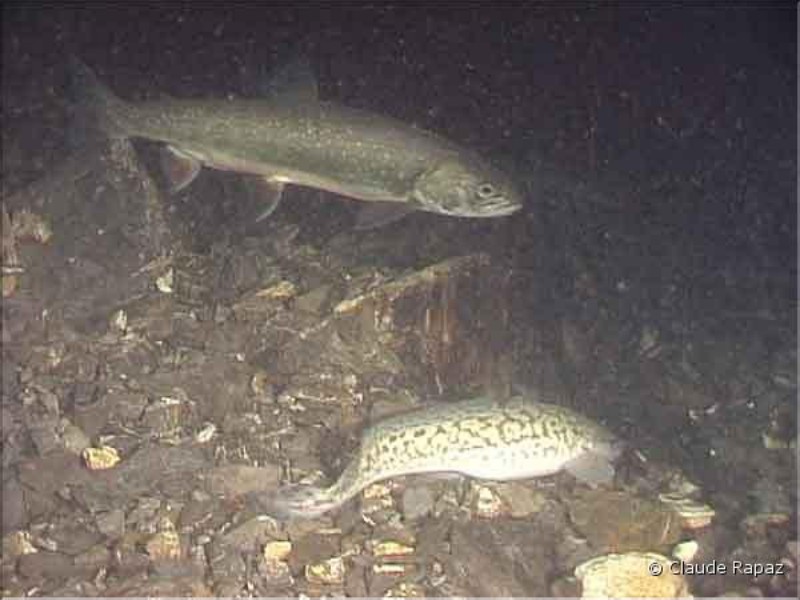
x=49 y=566
x=237 y=480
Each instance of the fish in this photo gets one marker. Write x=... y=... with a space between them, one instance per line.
x=482 y=438
x=291 y=137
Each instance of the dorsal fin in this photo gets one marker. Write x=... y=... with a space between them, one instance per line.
x=294 y=83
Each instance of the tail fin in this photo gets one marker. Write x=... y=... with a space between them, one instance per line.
x=296 y=501
x=96 y=108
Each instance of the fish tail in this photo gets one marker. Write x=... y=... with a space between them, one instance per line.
x=309 y=501
x=299 y=501
x=96 y=107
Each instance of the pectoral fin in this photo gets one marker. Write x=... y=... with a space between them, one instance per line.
x=592 y=469
x=292 y=84
x=264 y=192
x=180 y=169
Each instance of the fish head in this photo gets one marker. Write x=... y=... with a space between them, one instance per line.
x=606 y=443
x=595 y=463
x=466 y=187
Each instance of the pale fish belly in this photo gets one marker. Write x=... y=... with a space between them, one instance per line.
x=477 y=438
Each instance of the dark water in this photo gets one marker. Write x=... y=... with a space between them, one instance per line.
x=662 y=101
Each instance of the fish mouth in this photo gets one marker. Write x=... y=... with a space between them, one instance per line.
x=499 y=206
x=494 y=210
x=508 y=209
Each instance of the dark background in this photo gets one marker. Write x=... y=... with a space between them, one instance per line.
x=698 y=100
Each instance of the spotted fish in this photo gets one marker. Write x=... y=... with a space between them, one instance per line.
x=482 y=438
x=294 y=138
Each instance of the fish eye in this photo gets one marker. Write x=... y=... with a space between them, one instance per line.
x=486 y=190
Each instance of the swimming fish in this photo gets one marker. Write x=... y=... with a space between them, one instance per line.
x=292 y=137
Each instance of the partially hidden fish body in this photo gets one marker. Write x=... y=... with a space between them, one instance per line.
x=518 y=438
x=285 y=140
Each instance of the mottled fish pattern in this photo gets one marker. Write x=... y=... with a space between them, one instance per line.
x=482 y=438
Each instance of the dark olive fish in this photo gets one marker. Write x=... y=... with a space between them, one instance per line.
x=294 y=138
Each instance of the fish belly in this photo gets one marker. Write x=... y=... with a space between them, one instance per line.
x=504 y=464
